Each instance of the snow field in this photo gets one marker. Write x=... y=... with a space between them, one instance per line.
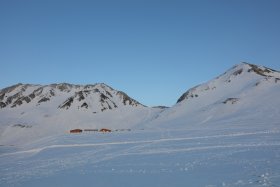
x=147 y=159
x=225 y=132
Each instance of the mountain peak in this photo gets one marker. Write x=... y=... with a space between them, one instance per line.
x=252 y=68
x=94 y=97
x=241 y=75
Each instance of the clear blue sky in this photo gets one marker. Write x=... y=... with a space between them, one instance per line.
x=152 y=50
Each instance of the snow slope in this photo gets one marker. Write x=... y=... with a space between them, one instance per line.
x=225 y=132
x=30 y=112
x=245 y=92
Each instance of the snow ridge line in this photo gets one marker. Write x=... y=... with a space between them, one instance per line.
x=37 y=150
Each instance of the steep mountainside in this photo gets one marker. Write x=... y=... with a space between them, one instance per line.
x=230 y=125
x=244 y=92
x=97 y=98
x=30 y=111
x=243 y=74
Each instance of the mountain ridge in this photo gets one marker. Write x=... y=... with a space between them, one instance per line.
x=99 y=94
x=232 y=73
x=245 y=92
x=242 y=93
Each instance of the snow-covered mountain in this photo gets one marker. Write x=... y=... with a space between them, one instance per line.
x=224 y=132
x=236 y=79
x=244 y=92
x=57 y=108
x=96 y=98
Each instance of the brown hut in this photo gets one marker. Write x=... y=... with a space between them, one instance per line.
x=105 y=130
x=76 y=131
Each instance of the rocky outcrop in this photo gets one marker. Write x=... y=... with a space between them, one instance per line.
x=237 y=74
x=97 y=97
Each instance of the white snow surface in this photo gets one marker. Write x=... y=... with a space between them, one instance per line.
x=225 y=132
x=106 y=108
x=239 y=92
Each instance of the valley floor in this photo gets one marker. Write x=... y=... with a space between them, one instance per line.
x=146 y=158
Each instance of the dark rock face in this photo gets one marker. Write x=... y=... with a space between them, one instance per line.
x=183 y=97
x=18 y=98
x=52 y=92
x=32 y=96
x=26 y=99
x=238 y=72
x=17 y=102
x=11 y=98
x=81 y=96
x=106 y=98
x=10 y=89
x=2 y=96
x=84 y=105
x=228 y=77
x=187 y=95
x=258 y=71
x=103 y=98
x=38 y=91
x=67 y=103
x=22 y=126
x=108 y=93
x=44 y=99
x=261 y=71
x=231 y=100
x=127 y=100
x=64 y=87
x=2 y=105
x=97 y=97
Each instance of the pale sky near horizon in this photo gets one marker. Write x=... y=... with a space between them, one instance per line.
x=154 y=50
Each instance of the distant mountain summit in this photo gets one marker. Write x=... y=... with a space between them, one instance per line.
x=64 y=96
x=241 y=76
x=29 y=112
x=245 y=93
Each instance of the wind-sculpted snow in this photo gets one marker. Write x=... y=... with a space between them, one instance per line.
x=152 y=158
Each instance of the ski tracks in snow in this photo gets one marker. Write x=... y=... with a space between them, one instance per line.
x=140 y=144
x=155 y=155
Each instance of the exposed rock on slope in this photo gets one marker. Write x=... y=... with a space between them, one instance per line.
x=57 y=108
x=242 y=74
x=98 y=97
x=246 y=92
